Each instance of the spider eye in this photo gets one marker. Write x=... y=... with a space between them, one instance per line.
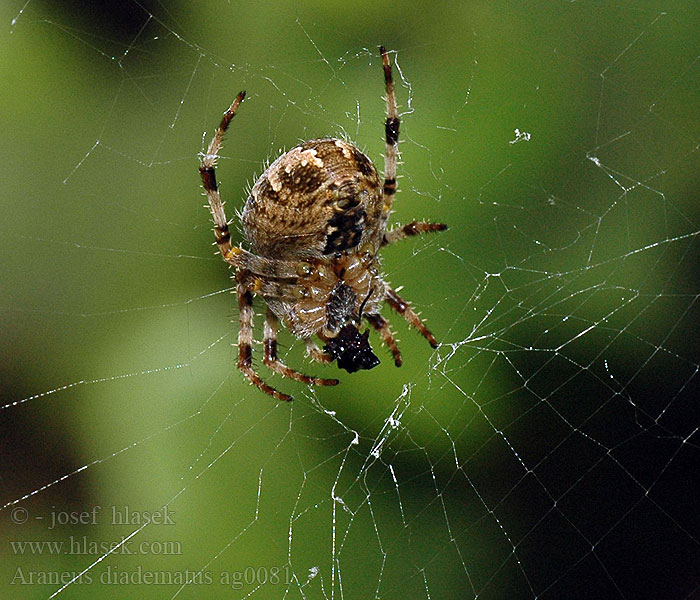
x=304 y=269
x=351 y=349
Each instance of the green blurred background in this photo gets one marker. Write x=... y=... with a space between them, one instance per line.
x=547 y=449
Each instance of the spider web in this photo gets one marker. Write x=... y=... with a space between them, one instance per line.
x=546 y=449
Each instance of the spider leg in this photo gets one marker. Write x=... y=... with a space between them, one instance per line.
x=206 y=170
x=391 y=129
x=315 y=353
x=413 y=228
x=274 y=363
x=245 y=344
x=382 y=326
x=404 y=309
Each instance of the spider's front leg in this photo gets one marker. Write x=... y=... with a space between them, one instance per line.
x=275 y=364
x=406 y=311
x=315 y=353
x=245 y=342
x=382 y=326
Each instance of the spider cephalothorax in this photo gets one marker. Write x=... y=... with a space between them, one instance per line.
x=315 y=220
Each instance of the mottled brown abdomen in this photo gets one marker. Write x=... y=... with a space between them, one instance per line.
x=322 y=197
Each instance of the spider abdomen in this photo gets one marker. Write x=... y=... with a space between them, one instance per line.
x=319 y=198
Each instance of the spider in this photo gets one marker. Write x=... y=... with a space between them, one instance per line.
x=315 y=220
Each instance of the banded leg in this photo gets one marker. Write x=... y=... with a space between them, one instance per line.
x=206 y=170
x=315 y=353
x=274 y=363
x=382 y=326
x=413 y=228
x=391 y=129
x=404 y=309
x=245 y=344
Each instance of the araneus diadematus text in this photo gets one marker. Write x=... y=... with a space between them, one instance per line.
x=315 y=221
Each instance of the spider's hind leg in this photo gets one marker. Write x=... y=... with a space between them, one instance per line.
x=413 y=228
x=207 y=172
x=391 y=133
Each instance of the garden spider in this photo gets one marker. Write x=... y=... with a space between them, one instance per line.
x=315 y=220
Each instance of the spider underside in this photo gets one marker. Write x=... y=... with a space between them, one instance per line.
x=315 y=220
